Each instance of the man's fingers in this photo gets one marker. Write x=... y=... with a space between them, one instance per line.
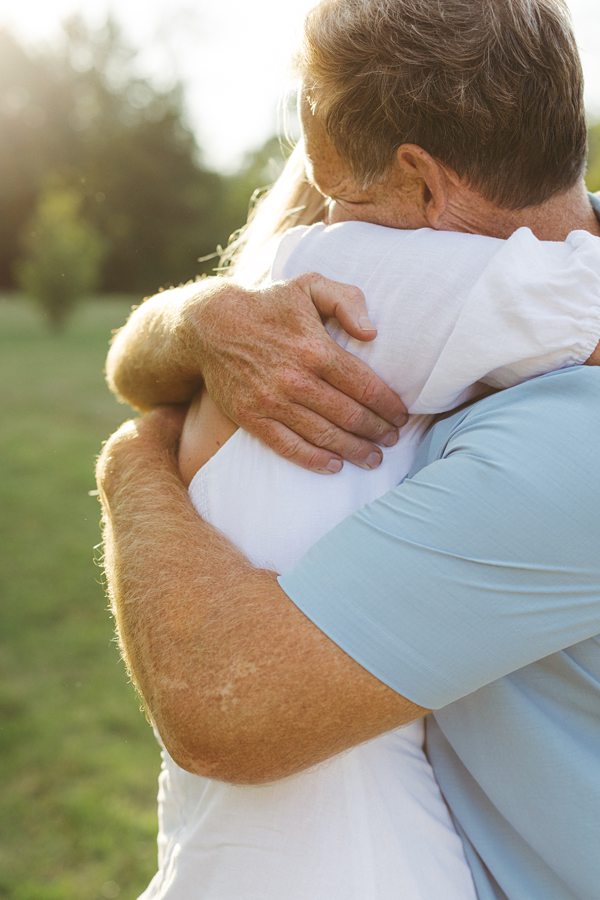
x=319 y=432
x=354 y=378
x=293 y=447
x=343 y=302
x=338 y=409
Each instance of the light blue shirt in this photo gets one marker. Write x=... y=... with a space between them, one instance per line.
x=473 y=589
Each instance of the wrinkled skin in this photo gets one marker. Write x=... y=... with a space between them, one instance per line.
x=268 y=364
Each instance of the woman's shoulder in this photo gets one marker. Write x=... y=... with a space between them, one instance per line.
x=348 y=246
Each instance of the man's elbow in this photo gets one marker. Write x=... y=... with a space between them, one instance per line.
x=119 y=378
x=233 y=755
x=243 y=767
x=115 y=371
x=229 y=771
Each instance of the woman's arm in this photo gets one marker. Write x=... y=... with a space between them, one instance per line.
x=205 y=430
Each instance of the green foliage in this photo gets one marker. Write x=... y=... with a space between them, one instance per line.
x=63 y=254
x=79 y=761
x=78 y=110
x=593 y=176
x=260 y=169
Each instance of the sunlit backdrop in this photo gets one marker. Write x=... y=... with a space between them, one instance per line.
x=232 y=55
x=113 y=181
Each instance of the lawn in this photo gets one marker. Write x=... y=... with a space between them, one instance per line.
x=79 y=762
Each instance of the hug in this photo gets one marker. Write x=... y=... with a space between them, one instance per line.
x=357 y=581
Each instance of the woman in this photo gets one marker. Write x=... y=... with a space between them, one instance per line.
x=370 y=823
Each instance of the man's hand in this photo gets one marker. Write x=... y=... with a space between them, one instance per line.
x=268 y=362
x=275 y=371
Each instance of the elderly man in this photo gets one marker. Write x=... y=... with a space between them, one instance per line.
x=485 y=607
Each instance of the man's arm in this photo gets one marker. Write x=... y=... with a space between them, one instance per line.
x=482 y=563
x=267 y=361
x=241 y=685
x=154 y=358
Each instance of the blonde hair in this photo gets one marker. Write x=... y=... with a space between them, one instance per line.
x=292 y=201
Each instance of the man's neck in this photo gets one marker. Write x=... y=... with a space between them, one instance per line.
x=550 y=221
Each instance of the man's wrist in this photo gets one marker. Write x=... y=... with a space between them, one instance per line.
x=158 y=355
x=137 y=448
x=197 y=326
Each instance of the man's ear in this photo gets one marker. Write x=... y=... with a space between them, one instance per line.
x=431 y=180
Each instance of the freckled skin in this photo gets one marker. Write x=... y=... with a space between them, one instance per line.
x=206 y=427
x=399 y=200
x=393 y=202
x=196 y=620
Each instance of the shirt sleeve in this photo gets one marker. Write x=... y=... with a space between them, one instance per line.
x=487 y=310
x=484 y=561
x=534 y=309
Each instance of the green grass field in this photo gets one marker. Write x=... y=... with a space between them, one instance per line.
x=78 y=760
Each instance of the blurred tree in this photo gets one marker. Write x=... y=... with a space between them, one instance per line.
x=259 y=169
x=62 y=255
x=593 y=176
x=80 y=110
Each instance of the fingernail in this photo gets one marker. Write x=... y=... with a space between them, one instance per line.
x=373 y=460
x=366 y=324
x=400 y=421
x=335 y=466
x=390 y=439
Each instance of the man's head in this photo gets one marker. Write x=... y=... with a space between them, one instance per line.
x=490 y=89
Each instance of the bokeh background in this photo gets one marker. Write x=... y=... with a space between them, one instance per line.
x=132 y=137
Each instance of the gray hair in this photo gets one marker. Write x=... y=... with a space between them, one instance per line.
x=491 y=88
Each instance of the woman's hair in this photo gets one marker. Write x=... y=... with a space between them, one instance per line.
x=292 y=201
x=491 y=88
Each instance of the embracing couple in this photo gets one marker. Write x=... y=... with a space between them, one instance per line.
x=410 y=709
